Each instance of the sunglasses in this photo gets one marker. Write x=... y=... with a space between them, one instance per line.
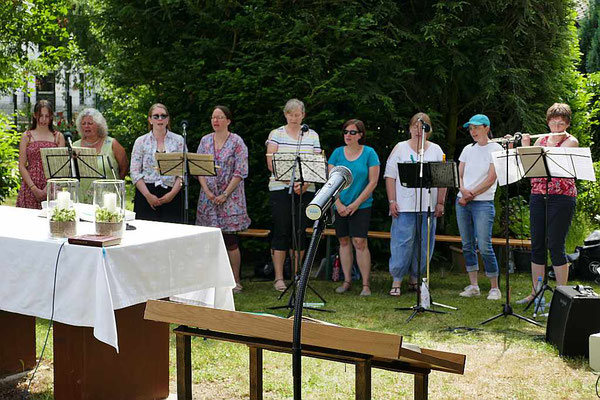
x=352 y=132
x=160 y=116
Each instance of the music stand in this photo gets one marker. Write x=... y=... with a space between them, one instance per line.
x=184 y=164
x=310 y=168
x=507 y=166
x=553 y=162
x=425 y=175
x=58 y=163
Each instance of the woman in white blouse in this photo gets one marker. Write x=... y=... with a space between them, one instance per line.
x=157 y=197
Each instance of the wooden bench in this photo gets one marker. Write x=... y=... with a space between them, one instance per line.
x=438 y=238
x=259 y=233
x=364 y=349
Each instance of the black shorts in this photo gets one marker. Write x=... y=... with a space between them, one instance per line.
x=356 y=225
x=281 y=213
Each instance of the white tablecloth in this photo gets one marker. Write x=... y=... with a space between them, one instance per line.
x=156 y=260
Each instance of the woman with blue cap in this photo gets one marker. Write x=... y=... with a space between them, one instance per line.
x=475 y=205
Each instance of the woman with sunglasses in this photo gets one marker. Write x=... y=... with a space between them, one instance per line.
x=562 y=195
x=222 y=201
x=353 y=207
x=157 y=197
x=404 y=207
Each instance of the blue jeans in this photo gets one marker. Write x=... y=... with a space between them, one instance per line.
x=404 y=244
x=475 y=221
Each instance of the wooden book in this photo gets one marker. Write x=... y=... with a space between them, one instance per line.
x=95 y=240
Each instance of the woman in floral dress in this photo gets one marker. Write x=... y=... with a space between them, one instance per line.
x=222 y=201
x=41 y=135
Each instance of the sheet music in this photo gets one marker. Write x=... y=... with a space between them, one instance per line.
x=563 y=162
x=314 y=167
x=515 y=169
x=56 y=162
x=171 y=164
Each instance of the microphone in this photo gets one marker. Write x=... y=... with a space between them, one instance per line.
x=184 y=124
x=68 y=139
x=304 y=128
x=340 y=178
x=426 y=126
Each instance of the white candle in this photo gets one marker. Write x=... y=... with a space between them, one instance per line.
x=110 y=202
x=63 y=199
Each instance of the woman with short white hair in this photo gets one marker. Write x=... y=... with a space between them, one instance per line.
x=91 y=126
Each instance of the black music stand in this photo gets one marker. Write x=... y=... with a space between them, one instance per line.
x=552 y=162
x=78 y=162
x=501 y=163
x=185 y=164
x=425 y=175
x=310 y=168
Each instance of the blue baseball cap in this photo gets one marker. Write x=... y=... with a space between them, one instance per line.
x=477 y=119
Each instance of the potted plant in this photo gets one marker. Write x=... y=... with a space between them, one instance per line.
x=109 y=201
x=62 y=196
x=109 y=223
x=63 y=222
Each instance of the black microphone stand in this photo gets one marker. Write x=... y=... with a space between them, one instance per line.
x=418 y=308
x=297 y=235
x=506 y=307
x=318 y=228
x=184 y=198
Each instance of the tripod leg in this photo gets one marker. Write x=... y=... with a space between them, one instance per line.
x=414 y=313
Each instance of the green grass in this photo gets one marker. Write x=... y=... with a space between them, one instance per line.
x=505 y=352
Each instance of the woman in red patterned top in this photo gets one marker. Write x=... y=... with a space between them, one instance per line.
x=41 y=135
x=562 y=195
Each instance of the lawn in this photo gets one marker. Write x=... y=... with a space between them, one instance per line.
x=506 y=359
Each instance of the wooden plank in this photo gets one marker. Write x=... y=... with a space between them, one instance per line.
x=17 y=343
x=438 y=238
x=87 y=369
x=184 y=367
x=362 y=383
x=262 y=233
x=355 y=340
x=256 y=376
x=421 y=386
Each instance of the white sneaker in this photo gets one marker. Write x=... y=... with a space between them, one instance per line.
x=470 y=291
x=494 y=294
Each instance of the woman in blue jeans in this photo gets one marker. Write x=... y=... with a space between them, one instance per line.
x=475 y=205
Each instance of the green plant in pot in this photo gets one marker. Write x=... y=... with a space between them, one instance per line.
x=519 y=228
x=108 y=222
x=63 y=222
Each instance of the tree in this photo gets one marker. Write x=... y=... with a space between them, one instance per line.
x=381 y=61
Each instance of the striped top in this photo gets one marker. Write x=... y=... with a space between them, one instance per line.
x=287 y=144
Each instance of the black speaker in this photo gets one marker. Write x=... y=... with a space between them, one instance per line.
x=574 y=316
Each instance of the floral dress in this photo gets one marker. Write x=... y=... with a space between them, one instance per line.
x=26 y=198
x=232 y=161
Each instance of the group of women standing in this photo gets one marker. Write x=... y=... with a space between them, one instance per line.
x=222 y=201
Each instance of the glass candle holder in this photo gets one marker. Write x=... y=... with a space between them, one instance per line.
x=109 y=207
x=62 y=196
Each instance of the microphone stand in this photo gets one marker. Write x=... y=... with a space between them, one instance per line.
x=418 y=308
x=184 y=198
x=506 y=307
x=318 y=228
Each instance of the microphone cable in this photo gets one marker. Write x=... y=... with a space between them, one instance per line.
x=26 y=395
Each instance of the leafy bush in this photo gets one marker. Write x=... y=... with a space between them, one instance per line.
x=9 y=157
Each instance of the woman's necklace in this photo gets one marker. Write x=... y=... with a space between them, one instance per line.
x=90 y=144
